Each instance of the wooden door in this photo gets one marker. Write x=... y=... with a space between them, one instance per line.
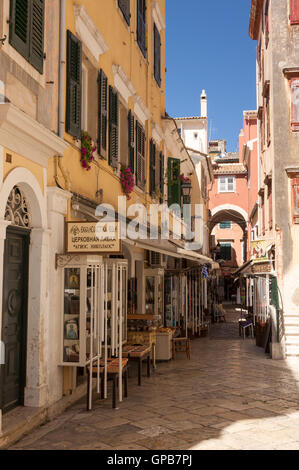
x=14 y=318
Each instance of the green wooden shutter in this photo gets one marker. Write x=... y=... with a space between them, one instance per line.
x=131 y=128
x=157 y=55
x=141 y=26
x=102 y=114
x=152 y=168
x=174 y=183
x=124 y=5
x=37 y=34
x=162 y=169
x=19 y=26
x=113 y=127
x=73 y=101
x=140 y=156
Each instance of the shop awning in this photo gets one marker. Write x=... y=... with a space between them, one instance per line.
x=167 y=248
x=193 y=256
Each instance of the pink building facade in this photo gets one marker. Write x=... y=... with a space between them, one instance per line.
x=234 y=200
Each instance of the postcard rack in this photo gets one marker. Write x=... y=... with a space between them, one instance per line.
x=94 y=313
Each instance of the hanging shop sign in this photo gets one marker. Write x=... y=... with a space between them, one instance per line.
x=259 y=250
x=92 y=237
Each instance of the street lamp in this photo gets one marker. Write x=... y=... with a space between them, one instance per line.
x=186 y=191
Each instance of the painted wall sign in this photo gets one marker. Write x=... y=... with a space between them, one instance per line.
x=92 y=237
x=259 y=250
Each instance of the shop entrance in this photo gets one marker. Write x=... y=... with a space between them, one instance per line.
x=14 y=317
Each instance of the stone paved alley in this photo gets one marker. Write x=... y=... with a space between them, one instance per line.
x=229 y=396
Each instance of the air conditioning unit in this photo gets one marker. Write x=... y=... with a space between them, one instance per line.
x=157 y=260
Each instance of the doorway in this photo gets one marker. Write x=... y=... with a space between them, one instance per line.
x=14 y=317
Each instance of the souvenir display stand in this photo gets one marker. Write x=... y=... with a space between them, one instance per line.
x=94 y=314
x=154 y=292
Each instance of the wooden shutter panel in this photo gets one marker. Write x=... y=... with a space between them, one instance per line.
x=162 y=169
x=140 y=156
x=102 y=114
x=152 y=168
x=174 y=183
x=294 y=11
x=113 y=127
x=295 y=103
x=131 y=128
x=157 y=58
x=141 y=25
x=74 y=70
x=124 y=5
x=19 y=26
x=37 y=34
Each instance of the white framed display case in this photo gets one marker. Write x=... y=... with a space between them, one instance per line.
x=94 y=308
x=154 y=292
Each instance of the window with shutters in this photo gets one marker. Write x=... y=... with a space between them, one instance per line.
x=157 y=55
x=294 y=11
x=140 y=156
x=295 y=104
x=225 y=225
x=102 y=114
x=174 y=182
x=268 y=118
x=226 y=251
x=267 y=23
x=141 y=25
x=113 y=127
x=227 y=184
x=26 y=30
x=123 y=135
x=295 y=199
x=124 y=5
x=270 y=205
x=162 y=176
x=131 y=141
x=152 y=168
x=84 y=104
x=74 y=80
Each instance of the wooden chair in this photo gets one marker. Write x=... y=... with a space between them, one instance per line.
x=139 y=353
x=181 y=345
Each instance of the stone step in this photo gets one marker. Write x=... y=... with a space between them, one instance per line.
x=292 y=350
x=292 y=340
x=291 y=330
x=291 y=320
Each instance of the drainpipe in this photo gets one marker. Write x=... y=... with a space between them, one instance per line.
x=62 y=61
x=61 y=97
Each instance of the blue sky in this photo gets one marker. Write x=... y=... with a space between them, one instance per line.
x=208 y=47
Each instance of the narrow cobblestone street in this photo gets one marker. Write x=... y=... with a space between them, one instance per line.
x=229 y=396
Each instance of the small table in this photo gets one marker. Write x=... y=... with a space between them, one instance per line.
x=139 y=353
x=112 y=374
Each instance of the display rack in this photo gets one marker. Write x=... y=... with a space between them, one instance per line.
x=94 y=312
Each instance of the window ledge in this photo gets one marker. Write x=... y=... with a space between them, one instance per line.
x=27 y=137
x=89 y=33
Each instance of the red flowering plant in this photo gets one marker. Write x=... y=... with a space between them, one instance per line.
x=184 y=179
x=87 y=150
x=127 y=181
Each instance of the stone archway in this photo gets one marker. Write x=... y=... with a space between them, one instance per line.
x=36 y=362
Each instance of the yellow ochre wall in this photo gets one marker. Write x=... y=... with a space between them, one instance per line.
x=124 y=51
x=17 y=161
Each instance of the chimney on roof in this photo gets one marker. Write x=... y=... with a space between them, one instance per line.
x=204 y=104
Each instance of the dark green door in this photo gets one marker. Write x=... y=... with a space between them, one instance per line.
x=14 y=317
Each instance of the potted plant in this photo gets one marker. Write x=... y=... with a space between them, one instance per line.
x=87 y=150
x=127 y=181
